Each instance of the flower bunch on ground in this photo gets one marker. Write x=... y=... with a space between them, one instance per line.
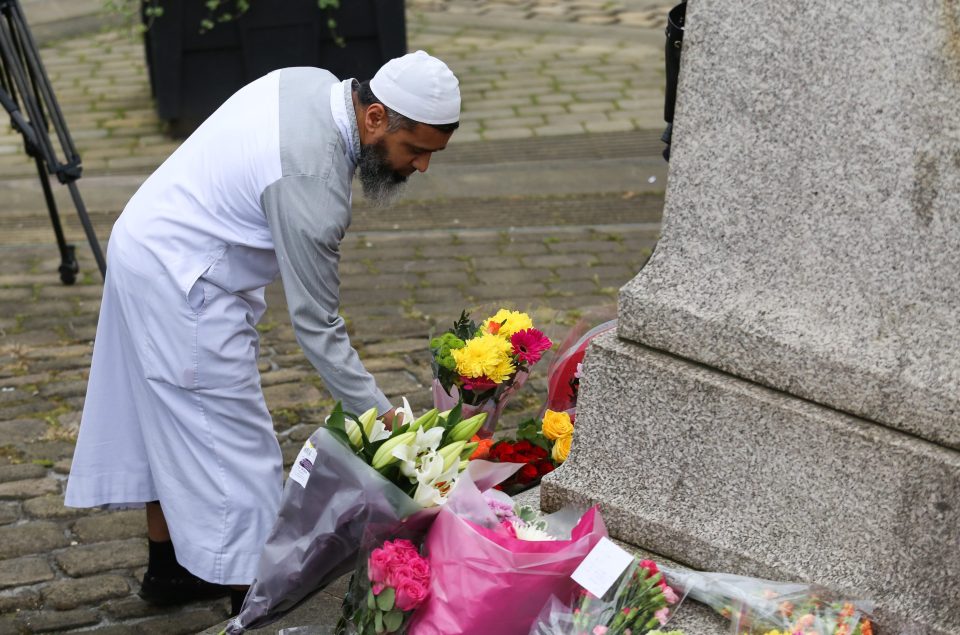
x=398 y=583
x=480 y=359
x=422 y=455
x=640 y=604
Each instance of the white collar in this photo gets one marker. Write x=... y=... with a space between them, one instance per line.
x=345 y=118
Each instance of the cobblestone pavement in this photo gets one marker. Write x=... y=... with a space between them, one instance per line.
x=539 y=215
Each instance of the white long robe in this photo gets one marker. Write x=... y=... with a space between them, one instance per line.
x=174 y=409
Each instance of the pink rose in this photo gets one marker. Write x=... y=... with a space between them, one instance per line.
x=377 y=565
x=600 y=630
x=378 y=587
x=419 y=569
x=401 y=544
x=410 y=594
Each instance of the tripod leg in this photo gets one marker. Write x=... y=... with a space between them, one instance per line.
x=68 y=258
x=88 y=228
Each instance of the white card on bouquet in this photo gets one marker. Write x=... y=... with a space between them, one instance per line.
x=603 y=565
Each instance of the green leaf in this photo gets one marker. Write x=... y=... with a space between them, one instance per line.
x=213 y=4
x=393 y=621
x=378 y=621
x=386 y=598
x=371 y=600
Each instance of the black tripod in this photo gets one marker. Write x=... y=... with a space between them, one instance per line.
x=23 y=81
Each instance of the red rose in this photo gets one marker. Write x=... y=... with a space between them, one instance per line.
x=538 y=453
x=527 y=473
x=545 y=467
x=522 y=446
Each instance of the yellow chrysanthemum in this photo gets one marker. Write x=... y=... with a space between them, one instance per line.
x=505 y=323
x=503 y=370
x=556 y=425
x=482 y=355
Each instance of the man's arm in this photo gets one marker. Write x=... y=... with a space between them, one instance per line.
x=308 y=220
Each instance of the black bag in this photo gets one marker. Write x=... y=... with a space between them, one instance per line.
x=672 y=49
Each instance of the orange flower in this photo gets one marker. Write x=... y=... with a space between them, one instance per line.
x=482 y=451
x=786 y=609
x=866 y=628
x=847 y=610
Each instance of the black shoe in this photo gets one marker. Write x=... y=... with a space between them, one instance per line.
x=180 y=589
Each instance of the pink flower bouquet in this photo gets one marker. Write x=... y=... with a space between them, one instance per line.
x=492 y=577
x=393 y=581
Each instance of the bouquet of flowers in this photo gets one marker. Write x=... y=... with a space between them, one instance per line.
x=483 y=365
x=353 y=472
x=563 y=376
x=391 y=583
x=540 y=445
x=764 y=607
x=500 y=568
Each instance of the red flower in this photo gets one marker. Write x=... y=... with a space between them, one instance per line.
x=477 y=384
x=527 y=473
x=545 y=467
x=529 y=345
x=522 y=446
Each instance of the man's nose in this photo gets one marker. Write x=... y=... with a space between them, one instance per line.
x=422 y=162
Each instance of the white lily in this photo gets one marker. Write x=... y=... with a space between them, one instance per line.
x=424 y=442
x=378 y=431
x=433 y=482
x=403 y=414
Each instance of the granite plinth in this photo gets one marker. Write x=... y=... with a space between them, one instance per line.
x=724 y=475
x=811 y=218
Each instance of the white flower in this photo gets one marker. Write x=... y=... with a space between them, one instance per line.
x=433 y=482
x=425 y=441
x=530 y=532
x=378 y=431
x=403 y=414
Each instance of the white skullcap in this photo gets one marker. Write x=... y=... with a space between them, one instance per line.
x=419 y=87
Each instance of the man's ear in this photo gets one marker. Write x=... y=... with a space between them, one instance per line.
x=375 y=120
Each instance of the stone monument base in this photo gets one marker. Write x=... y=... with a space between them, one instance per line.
x=722 y=474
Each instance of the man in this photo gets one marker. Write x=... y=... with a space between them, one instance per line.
x=174 y=415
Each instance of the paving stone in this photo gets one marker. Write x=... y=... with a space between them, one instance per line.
x=47 y=451
x=132 y=608
x=69 y=594
x=19 y=600
x=24 y=571
x=30 y=538
x=9 y=512
x=50 y=507
x=46 y=621
x=102 y=556
x=397 y=384
x=187 y=621
x=111 y=526
x=21 y=472
x=395 y=347
x=28 y=489
x=291 y=395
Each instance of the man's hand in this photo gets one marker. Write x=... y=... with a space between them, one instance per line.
x=388 y=418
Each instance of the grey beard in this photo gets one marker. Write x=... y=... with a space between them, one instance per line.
x=381 y=184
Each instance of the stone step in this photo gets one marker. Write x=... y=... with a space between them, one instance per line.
x=731 y=476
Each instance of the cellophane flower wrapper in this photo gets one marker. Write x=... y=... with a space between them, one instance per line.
x=757 y=606
x=493 y=406
x=320 y=527
x=585 y=614
x=486 y=580
x=561 y=397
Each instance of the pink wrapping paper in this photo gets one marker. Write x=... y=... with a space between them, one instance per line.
x=485 y=581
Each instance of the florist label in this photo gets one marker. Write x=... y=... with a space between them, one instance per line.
x=300 y=471
x=603 y=565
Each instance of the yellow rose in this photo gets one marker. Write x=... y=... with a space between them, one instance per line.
x=561 y=449
x=556 y=425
